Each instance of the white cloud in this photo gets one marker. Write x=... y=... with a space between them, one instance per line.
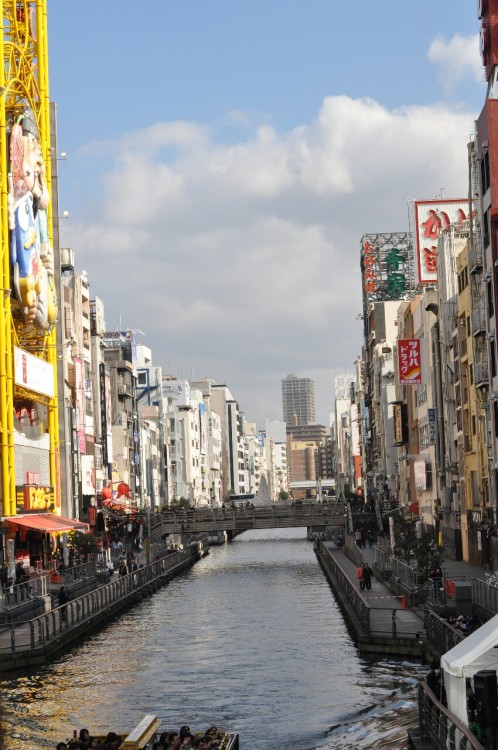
x=458 y=59
x=241 y=262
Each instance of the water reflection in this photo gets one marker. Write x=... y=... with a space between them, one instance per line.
x=250 y=638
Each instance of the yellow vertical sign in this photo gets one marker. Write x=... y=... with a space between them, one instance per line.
x=24 y=135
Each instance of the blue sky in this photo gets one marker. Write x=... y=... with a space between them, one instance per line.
x=225 y=158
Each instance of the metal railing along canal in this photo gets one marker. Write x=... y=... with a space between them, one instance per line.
x=440 y=727
x=37 y=632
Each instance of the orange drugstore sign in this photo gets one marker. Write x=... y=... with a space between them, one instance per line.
x=409 y=362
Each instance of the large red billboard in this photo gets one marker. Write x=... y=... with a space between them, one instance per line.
x=409 y=362
x=430 y=218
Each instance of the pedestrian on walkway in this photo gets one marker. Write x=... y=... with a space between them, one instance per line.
x=63 y=600
x=367 y=576
x=360 y=576
x=123 y=570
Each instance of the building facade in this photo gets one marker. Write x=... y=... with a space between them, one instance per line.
x=298 y=400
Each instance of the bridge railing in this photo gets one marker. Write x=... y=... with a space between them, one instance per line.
x=485 y=595
x=383 y=558
x=441 y=635
x=439 y=726
x=19 y=593
x=352 y=550
x=78 y=572
x=242 y=518
x=405 y=574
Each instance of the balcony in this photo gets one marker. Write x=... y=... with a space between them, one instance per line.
x=475 y=260
x=481 y=375
x=125 y=390
x=478 y=322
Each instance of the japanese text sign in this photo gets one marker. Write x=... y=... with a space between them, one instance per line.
x=430 y=218
x=409 y=362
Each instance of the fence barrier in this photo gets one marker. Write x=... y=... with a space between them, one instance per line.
x=19 y=593
x=440 y=727
x=37 y=632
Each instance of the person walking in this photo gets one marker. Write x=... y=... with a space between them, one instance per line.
x=367 y=576
x=63 y=600
x=360 y=576
x=123 y=570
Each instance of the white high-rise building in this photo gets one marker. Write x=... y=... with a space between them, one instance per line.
x=342 y=421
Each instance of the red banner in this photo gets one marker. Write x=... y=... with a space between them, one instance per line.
x=409 y=362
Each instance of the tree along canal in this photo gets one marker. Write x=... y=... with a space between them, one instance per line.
x=250 y=639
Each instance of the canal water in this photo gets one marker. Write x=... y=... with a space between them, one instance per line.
x=249 y=639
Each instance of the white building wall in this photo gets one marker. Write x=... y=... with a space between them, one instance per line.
x=214 y=458
x=275 y=429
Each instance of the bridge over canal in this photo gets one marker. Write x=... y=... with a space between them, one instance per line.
x=242 y=519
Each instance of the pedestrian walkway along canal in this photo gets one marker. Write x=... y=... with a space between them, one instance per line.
x=250 y=639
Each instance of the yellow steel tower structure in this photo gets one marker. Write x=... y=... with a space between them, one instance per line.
x=27 y=331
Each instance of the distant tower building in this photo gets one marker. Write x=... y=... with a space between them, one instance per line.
x=298 y=400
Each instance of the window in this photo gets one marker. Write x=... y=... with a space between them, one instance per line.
x=463 y=279
x=485 y=178
x=423 y=433
x=485 y=228
x=428 y=475
x=489 y=295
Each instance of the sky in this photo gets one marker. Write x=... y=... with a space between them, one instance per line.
x=224 y=159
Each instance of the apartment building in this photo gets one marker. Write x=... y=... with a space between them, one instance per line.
x=298 y=400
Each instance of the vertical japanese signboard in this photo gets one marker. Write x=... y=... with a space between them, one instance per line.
x=431 y=413
x=386 y=266
x=79 y=388
x=420 y=475
x=430 y=218
x=409 y=362
x=400 y=419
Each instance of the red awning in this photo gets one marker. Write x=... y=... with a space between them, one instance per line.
x=414 y=507
x=47 y=522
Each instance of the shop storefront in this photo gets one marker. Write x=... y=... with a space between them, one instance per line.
x=35 y=537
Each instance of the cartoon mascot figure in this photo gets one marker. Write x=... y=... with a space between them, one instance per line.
x=32 y=256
